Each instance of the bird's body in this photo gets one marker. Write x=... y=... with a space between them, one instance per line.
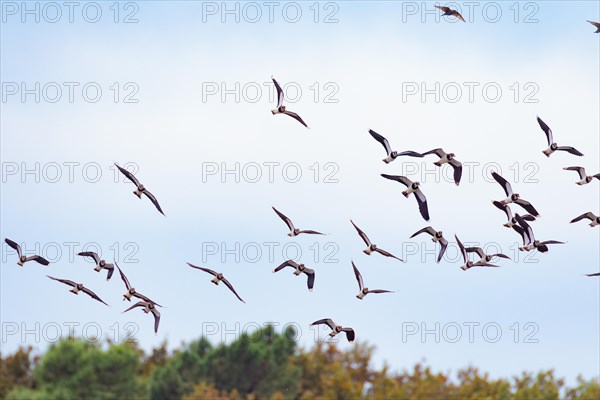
x=391 y=154
x=22 y=258
x=588 y=215
x=335 y=329
x=280 y=109
x=148 y=307
x=513 y=197
x=298 y=270
x=78 y=287
x=139 y=188
x=436 y=236
x=450 y=12
x=293 y=230
x=447 y=158
x=363 y=291
x=468 y=264
x=584 y=179
x=100 y=264
x=412 y=187
x=218 y=277
x=552 y=146
x=531 y=241
x=371 y=247
x=131 y=292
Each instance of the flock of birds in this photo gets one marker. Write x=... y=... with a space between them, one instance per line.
x=517 y=222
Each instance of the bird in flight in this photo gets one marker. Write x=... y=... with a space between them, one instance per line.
x=552 y=146
x=23 y=259
x=485 y=258
x=514 y=197
x=281 y=108
x=140 y=189
x=413 y=187
x=299 y=269
x=511 y=219
x=78 y=287
x=131 y=292
x=532 y=243
x=293 y=230
x=468 y=263
x=450 y=159
x=100 y=264
x=391 y=155
x=361 y=286
x=589 y=215
x=450 y=12
x=148 y=307
x=370 y=246
x=436 y=236
x=218 y=277
x=584 y=178
x=596 y=24
x=335 y=329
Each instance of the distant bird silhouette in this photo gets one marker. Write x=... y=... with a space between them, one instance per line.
x=100 y=264
x=149 y=307
x=391 y=155
x=293 y=230
x=450 y=12
x=514 y=197
x=370 y=246
x=335 y=329
x=361 y=286
x=552 y=146
x=589 y=215
x=584 y=178
x=596 y=274
x=218 y=277
x=596 y=24
x=437 y=236
x=281 y=108
x=140 y=189
x=413 y=187
x=299 y=269
x=23 y=259
x=78 y=287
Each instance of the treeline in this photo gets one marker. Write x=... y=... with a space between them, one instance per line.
x=261 y=365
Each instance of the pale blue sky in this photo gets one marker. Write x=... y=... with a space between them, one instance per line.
x=369 y=56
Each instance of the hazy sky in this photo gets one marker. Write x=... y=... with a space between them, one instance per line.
x=181 y=92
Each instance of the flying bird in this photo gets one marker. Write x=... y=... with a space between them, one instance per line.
x=517 y=228
x=485 y=258
x=468 y=263
x=584 y=179
x=361 y=286
x=391 y=155
x=335 y=329
x=370 y=246
x=596 y=274
x=436 y=236
x=23 y=259
x=299 y=269
x=218 y=277
x=450 y=12
x=78 y=287
x=413 y=187
x=552 y=146
x=511 y=219
x=100 y=264
x=131 y=292
x=589 y=215
x=450 y=159
x=293 y=230
x=140 y=189
x=532 y=243
x=514 y=197
x=596 y=24
x=149 y=307
x=281 y=108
